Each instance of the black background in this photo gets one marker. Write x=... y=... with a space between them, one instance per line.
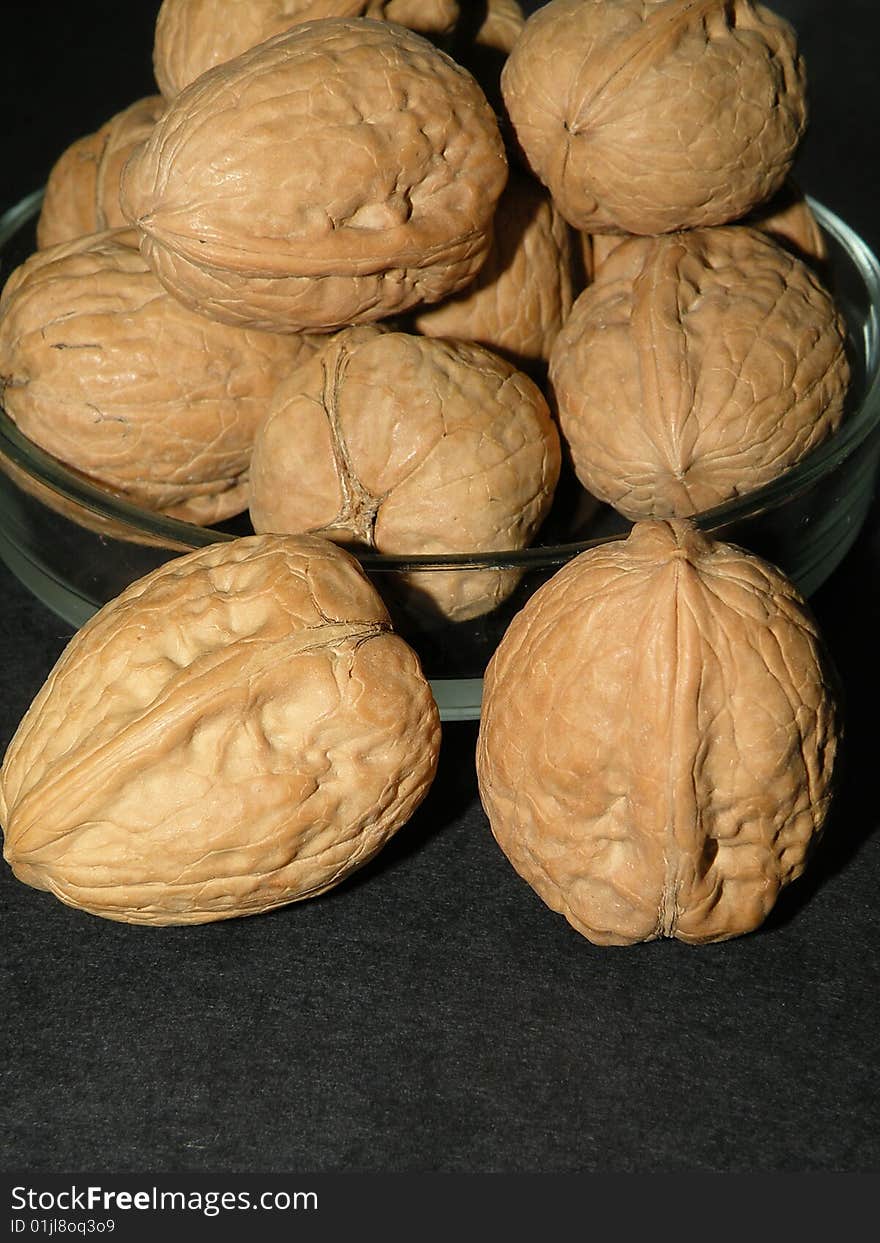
x=431 y=1014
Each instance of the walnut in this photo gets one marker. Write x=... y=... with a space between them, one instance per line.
x=106 y=371
x=697 y=367
x=645 y=116
x=195 y=35
x=501 y=25
x=484 y=38
x=787 y=218
x=409 y=445
x=336 y=174
x=658 y=738
x=525 y=289
x=82 y=192
x=238 y=730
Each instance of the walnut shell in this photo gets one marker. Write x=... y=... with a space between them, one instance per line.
x=658 y=738
x=238 y=730
x=787 y=218
x=106 y=371
x=409 y=445
x=335 y=174
x=484 y=38
x=502 y=24
x=82 y=192
x=193 y=36
x=525 y=289
x=111 y=527
x=697 y=367
x=645 y=116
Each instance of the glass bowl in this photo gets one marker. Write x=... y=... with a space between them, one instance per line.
x=76 y=545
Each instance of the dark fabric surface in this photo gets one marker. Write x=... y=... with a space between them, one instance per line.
x=431 y=1014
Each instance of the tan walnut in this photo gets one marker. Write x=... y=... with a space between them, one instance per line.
x=484 y=38
x=82 y=192
x=787 y=218
x=658 y=738
x=495 y=24
x=645 y=116
x=238 y=730
x=525 y=289
x=105 y=370
x=193 y=36
x=336 y=174
x=697 y=367
x=409 y=445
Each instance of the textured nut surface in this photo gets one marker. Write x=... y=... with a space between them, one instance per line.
x=697 y=367
x=106 y=371
x=335 y=174
x=658 y=738
x=525 y=289
x=195 y=35
x=644 y=116
x=787 y=218
x=82 y=192
x=236 y=731
x=410 y=446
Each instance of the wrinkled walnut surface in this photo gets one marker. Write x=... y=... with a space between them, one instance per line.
x=105 y=370
x=525 y=289
x=193 y=36
x=658 y=738
x=787 y=218
x=697 y=367
x=645 y=117
x=335 y=174
x=82 y=192
x=238 y=730
x=410 y=446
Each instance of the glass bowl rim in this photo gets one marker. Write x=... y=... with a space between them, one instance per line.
x=186 y=536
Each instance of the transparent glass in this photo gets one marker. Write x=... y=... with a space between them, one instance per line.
x=76 y=546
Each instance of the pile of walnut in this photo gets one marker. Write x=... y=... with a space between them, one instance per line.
x=587 y=213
